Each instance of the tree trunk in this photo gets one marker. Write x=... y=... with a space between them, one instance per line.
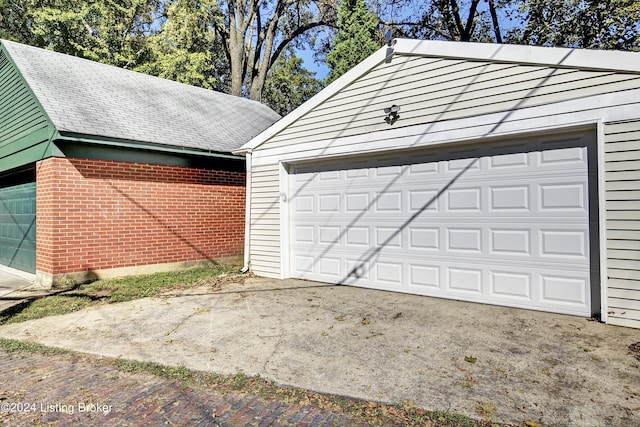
x=238 y=25
x=494 y=18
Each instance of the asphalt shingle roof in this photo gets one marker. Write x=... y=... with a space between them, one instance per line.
x=91 y=98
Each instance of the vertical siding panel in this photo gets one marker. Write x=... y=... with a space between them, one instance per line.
x=622 y=205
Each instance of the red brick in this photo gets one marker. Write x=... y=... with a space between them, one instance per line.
x=112 y=214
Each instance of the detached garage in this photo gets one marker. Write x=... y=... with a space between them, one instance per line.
x=496 y=174
x=106 y=172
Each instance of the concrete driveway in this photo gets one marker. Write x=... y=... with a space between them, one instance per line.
x=509 y=365
x=15 y=285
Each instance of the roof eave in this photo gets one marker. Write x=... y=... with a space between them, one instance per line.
x=138 y=145
x=603 y=60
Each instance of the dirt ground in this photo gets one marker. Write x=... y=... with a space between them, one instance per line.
x=508 y=365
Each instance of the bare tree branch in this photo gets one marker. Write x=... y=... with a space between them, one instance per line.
x=470 y=20
x=494 y=19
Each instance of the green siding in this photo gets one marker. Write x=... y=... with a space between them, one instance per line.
x=18 y=227
x=25 y=129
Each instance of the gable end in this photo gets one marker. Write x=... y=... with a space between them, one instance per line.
x=25 y=129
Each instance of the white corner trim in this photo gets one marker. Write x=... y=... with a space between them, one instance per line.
x=247 y=212
x=602 y=221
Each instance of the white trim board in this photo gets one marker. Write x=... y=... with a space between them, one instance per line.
x=545 y=118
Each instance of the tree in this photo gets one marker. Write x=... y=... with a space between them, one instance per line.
x=289 y=84
x=109 y=31
x=256 y=32
x=601 y=24
x=458 y=20
x=357 y=37
x=187 y=50
x=14 y=21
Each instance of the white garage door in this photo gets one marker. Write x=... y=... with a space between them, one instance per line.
x=506 y=225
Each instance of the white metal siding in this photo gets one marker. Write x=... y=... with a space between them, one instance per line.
x=622 y=176
x=265 y=221
x=430 y=90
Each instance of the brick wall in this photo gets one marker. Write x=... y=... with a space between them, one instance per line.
x=96 y=215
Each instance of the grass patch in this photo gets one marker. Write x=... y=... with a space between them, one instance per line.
x=16 y=347
x=115 y=290
x=452 y=419
x=135 y=287
x=168 y=372
x=46 y=306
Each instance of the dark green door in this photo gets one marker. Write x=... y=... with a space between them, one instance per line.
x=18 y=226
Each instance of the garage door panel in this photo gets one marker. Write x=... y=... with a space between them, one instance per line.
x=563 y=157
x=563 y=243
x=424 y=276
x=18 y=226
x=510 y=161
x=566 y=196
x=463 y=280
x=424 y=238
x=531 y=243
x=389 y=272
x=358 y=237
x=463 y=199
x=511 y=285
x=304 y=204
x=507 y=227
x=510 y=242
x=509 y=198
x=390 y=201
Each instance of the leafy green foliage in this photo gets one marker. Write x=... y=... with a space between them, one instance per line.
x=108 y=31
x=599 y=24
x=187 y=50
x=358 y=37
x=289 y=84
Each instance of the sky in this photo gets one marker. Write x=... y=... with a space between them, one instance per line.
x=310 y=64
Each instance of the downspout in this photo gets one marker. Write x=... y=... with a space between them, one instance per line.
x=247 y=213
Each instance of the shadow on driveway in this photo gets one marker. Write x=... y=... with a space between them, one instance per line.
x=506 y=364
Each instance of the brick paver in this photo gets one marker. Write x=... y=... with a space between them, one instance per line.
x=70 y=390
